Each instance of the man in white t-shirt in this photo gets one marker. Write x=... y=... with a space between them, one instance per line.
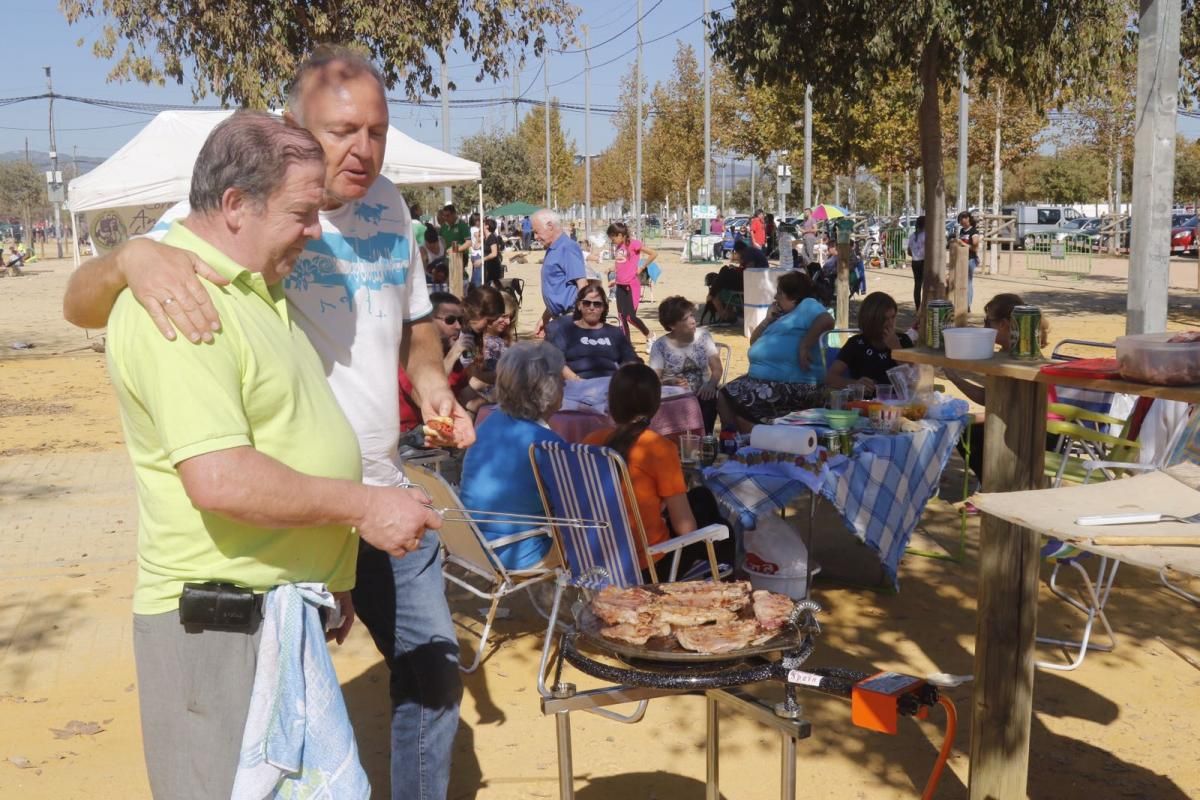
x=359 y=294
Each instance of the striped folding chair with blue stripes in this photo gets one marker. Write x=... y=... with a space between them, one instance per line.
x=587 y=482
x=591 y=485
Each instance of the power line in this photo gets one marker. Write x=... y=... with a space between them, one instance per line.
x=97 y=128
x=533 y=80
x=646 y=42
x=615 y=36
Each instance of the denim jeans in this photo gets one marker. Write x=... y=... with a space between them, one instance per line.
x=402 y=601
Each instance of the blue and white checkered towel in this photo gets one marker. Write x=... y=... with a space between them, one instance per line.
x=880 y=491
x=298 y=742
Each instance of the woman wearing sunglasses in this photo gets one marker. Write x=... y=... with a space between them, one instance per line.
x=592 y=347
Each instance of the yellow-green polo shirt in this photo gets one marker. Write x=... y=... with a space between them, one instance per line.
x=259 y=384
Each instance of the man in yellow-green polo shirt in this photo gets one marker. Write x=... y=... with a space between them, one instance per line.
x=247 y=471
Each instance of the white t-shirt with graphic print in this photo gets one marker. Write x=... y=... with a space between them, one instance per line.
x=351 y=292
x=689 y=362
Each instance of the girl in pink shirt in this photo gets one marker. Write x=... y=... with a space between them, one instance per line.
x=628 y=253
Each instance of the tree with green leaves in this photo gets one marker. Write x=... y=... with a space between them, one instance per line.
x=246 y=51
x=674 y=145
x=532 y=134
x=22 y=192
x=508 y=175
x=612 y=171
x=851 y=46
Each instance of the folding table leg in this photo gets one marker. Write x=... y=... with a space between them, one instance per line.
x=712 y=783
x=787 y=776
x=566 y=768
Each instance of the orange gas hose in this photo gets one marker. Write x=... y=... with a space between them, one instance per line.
x=944 y=755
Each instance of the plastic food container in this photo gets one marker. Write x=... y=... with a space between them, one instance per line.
x=970 y=344
x=841 y=420
x=1150 y=358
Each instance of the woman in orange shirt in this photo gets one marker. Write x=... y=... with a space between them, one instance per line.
x=653 y=460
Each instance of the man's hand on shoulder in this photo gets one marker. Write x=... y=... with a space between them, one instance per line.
x=165 y=280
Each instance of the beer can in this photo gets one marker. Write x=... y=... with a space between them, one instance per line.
x=708 y=450
x=1025 y=332
x=832 y=441
x=938 y=314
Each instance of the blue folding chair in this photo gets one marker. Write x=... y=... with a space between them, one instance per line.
x=587 y=482
x=591 y=485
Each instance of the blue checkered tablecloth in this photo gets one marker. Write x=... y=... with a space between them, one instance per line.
x=880 y=490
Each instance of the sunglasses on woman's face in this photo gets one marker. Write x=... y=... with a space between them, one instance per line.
x=591 y=303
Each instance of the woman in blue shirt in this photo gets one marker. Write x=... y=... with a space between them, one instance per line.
x=785 y=359
x=497 y=475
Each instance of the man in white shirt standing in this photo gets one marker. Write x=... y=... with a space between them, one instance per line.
x=359 y=294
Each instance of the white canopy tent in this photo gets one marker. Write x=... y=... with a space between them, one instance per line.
x=155 y=168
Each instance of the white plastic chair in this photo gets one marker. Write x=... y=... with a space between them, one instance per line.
x=469 y=552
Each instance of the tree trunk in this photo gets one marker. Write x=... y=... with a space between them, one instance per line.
x=929 y=124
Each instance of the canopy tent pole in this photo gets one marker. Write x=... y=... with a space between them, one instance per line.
x=75 y=239
x=483 y=221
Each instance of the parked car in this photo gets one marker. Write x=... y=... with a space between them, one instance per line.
x=1032 y=219
x=1183 y=236
x=1083 y=226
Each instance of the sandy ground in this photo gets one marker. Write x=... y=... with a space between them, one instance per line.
x=1123 y=726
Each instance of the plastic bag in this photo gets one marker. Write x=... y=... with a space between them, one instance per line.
x=775 y=548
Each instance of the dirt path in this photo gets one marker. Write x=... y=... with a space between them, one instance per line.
x=1122 y=726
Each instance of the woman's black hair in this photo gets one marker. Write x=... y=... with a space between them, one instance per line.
x=796 y=286
x=598 y=289
x=674 y=309
x=431 y=234
x=872 y=315
x=618 y=227
x=634 y=395
x=920 y=223
x=481 y=302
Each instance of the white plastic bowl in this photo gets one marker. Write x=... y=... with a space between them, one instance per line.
x=969 y=344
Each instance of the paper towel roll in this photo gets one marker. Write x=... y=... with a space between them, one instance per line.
x=794 y=439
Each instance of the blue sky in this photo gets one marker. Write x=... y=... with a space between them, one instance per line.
x=43 y=37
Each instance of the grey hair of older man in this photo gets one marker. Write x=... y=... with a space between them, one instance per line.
x=529 y=380
x=546 y=217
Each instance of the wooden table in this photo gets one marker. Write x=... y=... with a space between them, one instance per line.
x=1009 y=559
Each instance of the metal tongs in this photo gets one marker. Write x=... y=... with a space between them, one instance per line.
x=481 y=515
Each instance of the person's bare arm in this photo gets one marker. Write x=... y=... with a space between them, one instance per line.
x=155 y=273
x=244 y=485
x=974 y=392
x=773 y=313
x=837 y=376
x=708 y=389
x=682 y=519
x=424 y=367
x=820 y=325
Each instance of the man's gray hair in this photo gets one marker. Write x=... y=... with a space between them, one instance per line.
x=529 y=379
x=250 y=151
x=546 y=216
x=332 y=64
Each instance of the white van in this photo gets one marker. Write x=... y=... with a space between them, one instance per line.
x=1039 y=219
